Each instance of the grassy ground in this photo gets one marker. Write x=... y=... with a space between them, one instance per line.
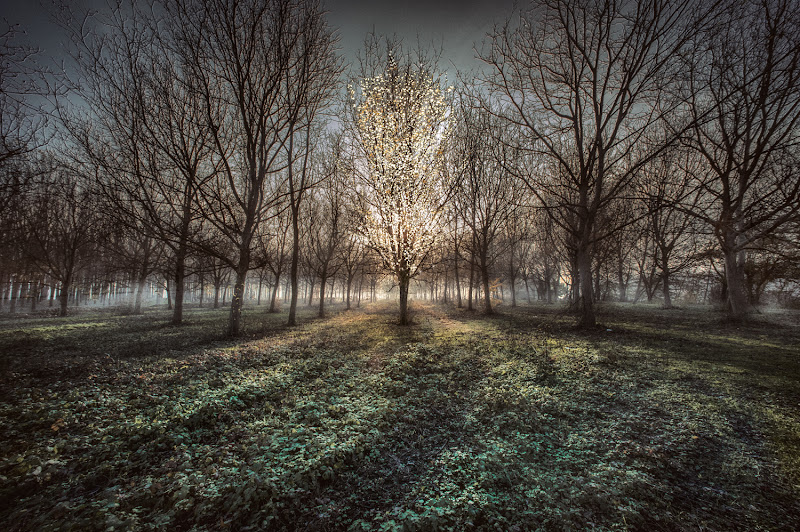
x=660 y=420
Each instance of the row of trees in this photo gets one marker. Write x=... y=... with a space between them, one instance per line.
x=606 y=146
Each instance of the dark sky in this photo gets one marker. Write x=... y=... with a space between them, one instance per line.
x=456 y=24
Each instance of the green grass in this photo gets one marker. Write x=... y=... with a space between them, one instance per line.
x=659 y=420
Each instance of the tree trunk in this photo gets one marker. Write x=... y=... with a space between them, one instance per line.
x=140 y=286
x=217 y=286
x=273 y=303
x=237 y=300
x=665 y=278
x=180 y=288
x=471 y=283
x=487 y=298
x=575 y=284
x=322 y=283
x=457 y=280
x=735 y=281
x=3 y=290
x=63 y=298
x=650 y=287
x=623 y=286
x=548 y=286
x=12 y=296
x=527 y=289
x=347 y=295
x=311 y=291
x=587 y=317
x=34 y=295
x=665 y=289
x=404 y=281
x=596 y=292
x=294 y=266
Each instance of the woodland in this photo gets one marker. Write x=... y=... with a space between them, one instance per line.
x=247 y=284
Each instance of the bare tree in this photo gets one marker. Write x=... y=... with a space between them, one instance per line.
x=252 y=62
x=745 y=102
x=326 y=230
x=310 y=88
x=353 y=255
x=140 y=123
x=275 y=249
x=584 y=82
x=21 y=116
x=486 y=194
x=22 y=122
x=516 y=235
x=62 y=228
x=666 y=197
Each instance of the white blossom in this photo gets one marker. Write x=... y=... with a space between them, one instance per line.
x=403 y=121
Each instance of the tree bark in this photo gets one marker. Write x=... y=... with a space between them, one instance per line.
x=140 y=286
x=34 y=295
x=457 y=280
x=527 y=290
x=311 y=291
x=665 y=289
x=180 y=282
x=292 y=321
x=575 y=274
x=12 y=296
x=404 y=281
x=322 y=283
x=665 y=278
x=63 y=298
x=587 y=318
x=237 y=300
x=735 y=281
x=273 y=303
x=471 y=283
x=487 y=298
x=623 y=286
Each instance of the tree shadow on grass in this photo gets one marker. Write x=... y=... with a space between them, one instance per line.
x=596 y=456
x=456 y=424
x=42 y=352
x=430 y=398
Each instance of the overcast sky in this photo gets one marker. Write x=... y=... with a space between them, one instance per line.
x=456 y=24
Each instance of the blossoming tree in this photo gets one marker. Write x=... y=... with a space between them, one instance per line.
x=402 y=123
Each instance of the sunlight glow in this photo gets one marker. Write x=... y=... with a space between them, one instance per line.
x=403 y=119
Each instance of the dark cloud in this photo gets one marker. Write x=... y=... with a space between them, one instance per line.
x=454 y=24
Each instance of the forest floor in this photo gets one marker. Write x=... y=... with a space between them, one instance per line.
x=659 y=420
